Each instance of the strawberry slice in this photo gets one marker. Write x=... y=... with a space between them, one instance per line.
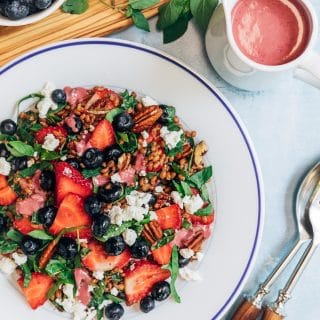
x=7 y=196
x=59 y=132
x=3 y=181
x=103 y=135
x=98 y=260
x=71 y=213
x=70 y=180
x=25 y=225
x=169 y=217
x=37 y=290
x=204 y=220
x=162 y=255
x=139 y=281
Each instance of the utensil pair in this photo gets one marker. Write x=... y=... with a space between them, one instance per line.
x=307 y=210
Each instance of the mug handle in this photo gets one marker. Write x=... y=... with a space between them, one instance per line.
x=309 y=70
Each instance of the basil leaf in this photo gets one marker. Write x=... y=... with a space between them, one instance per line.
x=31 y=170
x=40 y=234
x=115 y=230
x=173 y=267
x=113 y=298
x=174 y=151
x=113 y=113
x=20 y=149
x=26 y=274
x=205 y=193
x=49 y=155
x=36 y=127
x=89 y=173
x=14 y=235
x=75 y=6
x=67 y=276
x=170 y=12
x=8 y=246
x=207 y=211
x=202 y=177
x=142 y=4
x=178 y=187
x=202 y=10
x=177 y=29
x=128 y=100
x=186 y=189
x=140 y=21
x=54 y=267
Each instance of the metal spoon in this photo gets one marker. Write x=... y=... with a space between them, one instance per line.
x=313 y=209
x=250 y=309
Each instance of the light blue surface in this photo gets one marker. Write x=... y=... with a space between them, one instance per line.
x=284 y=125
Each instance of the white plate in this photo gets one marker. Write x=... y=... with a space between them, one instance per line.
x=240 y=202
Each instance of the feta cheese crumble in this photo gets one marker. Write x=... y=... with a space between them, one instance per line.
x=46 y=103
x=177 y=198
x=5 y=166
x=189 y=275
x=171 y=138
x=116 y=178
x=187 y=253
x=158 y=189
x=50 y=142
x=148 y=102
x=192 y=203
x=129 y=237
x=19 y=259
x=153 y=215
x=99 y=275
x=114 y=291
x=7 y=266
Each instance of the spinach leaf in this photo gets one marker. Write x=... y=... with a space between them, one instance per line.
x=113 y=113
x=127 y=141
x=205 y=193
x=171 y=112
x=26 y=274
x=207 y=211
x=40 y=234
x=202 y=177
x=142 y=4
x=128 y=100
x=174 y=151
x=168 y=236
x=140 y=21
x=20 y=149
x=186 y=189
x=14 y=235
x=115 y=230
x=178 y=187
x=202 y=10
x=36 y=166
x=49 y=155
x=178 y=170
x=54 y=267
x=75 y=6
x=173 y=267
x=89 y=173
x=8 y=246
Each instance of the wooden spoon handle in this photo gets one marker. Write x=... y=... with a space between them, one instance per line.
x=270 y=314
x=246 y=311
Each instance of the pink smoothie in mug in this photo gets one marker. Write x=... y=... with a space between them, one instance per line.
x=270 y=32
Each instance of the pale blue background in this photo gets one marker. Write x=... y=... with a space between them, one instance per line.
x=284 y=125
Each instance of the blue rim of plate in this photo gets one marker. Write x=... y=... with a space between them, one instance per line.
x=166 y=57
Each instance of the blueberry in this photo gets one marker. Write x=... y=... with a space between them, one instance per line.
x=140 y=249
x=73 y=124
x=100 y=225
x=8 y=126
x=74 y=163
x=93 y=205
x=152 y=200
x=67 y=248
x=30 y=3
x=29 y=245
x=46 y=215
x=19 y=163
x=122 y=122
x=41 y=5
x=47 y=180
x=4 y=151
x=161 y=291
x=114 y=311
x=58 y=95
x=183 y=261
x=115 y=246
x=165 y=117
x=15 y=10
x=110 y=193
x=147 y=304
x=112 y=153
x=92 y=158
x=3 y=223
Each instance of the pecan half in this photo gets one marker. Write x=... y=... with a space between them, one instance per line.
x=145 y=118
x=124 y=161
x=152 y=232
x=196 y=241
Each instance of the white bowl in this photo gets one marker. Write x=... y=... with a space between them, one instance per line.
x=33 y=17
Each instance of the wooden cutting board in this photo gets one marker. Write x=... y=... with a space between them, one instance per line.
x=99 y=20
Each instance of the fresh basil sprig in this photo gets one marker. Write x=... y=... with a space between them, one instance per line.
x=75 y=6
x=20 y=149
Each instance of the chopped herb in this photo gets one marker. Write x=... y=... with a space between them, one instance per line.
x=90 y=173
x=84 y=252
x=116 y=277
x=186 y=224
x=113 y=298
x=168 y=236
x=26 y=274
x=128 y=100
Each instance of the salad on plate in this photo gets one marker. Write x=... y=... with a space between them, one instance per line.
x=104 y=201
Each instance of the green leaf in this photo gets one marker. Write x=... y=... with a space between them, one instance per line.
x=129 y=12
x=114 y=230
x=20 y=149
x=75 y=6
x=170 y=12
x=89 y=173
x=31 y=96
x=142 y=4
x=67 y=276
x=205 y=193
x=36 y=127
x=31 y=170
x=186 y=224
x=174 y=151
x=140 y=21
x=129 y=141
x=174 y=269
x=168 y=236
x=8 y=246
x=113 y=298
x=128 y=100
x=14 y=235
x=171 y=112
x=49 y=155
x=112 y=113
x=116 y=277
x=202 y=10
x=40 y=234
x=54 y=267
x=26 y=274
x=186 y=189
x=202 y=177
x=178 y=187
x=178 y=170
x=177 y=29
x=207 y=211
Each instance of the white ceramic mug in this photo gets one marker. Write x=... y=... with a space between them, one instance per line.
x=240 y=71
